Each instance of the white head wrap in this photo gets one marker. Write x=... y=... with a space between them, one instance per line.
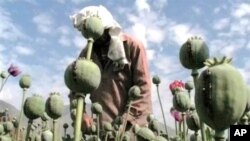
x=116 y=49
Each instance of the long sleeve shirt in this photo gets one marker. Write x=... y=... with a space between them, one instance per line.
x=112 y=92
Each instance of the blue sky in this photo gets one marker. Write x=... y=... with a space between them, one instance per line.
x=39 y=37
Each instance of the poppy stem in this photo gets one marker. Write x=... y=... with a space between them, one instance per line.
x=4 y=82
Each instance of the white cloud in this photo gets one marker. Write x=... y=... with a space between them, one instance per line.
x=221 y=24
x=44 y=23
x=8 y=30
x=78 y=1
x=64 y=41
x=179 y=33
x=64 y=30
x=142 y=6
x=22 y=50
x=241 y=10
x=196 y=10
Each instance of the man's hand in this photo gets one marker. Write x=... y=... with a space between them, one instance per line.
x=87 y=122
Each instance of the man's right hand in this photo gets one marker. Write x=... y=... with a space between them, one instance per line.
x=87 y=122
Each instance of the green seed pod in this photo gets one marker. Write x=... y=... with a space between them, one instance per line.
x=25 y=81
x=145 y=133
x=150 y=118
x=65 y=125
x=73 y=114
x=193 y=53
x=156 y=80
x=154 y=125
x=93 y=128
x=82 y=76
x=37 y=137
x=181 y=101
x=96 y=108
x=8 y=127
x=118 y=120
x=108 y=126
x=93 y=138
x=192 y=107
x=73 y=103
x=193 y=121
x=45 y=117
x=5 y=138
x=160 y=138
x=243 y=120
x=189 y=85
x=220 y=95
x=3 y=75
x=134 y=92
x=136 y=128
x=1 y=129
x=92 y=28
x=34 y=107
x=54 y=106
x=47 y=135
x=126 y=136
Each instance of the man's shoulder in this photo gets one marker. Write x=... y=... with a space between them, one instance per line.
x=131 y=40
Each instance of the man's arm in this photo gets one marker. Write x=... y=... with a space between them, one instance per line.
x=141 y=77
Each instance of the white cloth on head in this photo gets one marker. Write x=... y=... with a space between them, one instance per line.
x=116 y=49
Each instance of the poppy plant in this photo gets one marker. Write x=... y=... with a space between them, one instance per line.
x=176 y=86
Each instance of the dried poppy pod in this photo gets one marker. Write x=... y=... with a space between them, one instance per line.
x=96 y=108
x=47 y=135
x=82 y=76
x=193 y=121
x=156 y=80
x=34 y=107
x=25 y=81
x=92 y=28
x=134 y=92
x=193 y=53
x=181 y=101
x=221 y=94
x=54 y=106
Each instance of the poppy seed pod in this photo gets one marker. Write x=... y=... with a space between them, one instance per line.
x=134 y=92
x=34 y=107
x=1 y=129
x=150 y=118
x=181 y=101
x=156 y=80
x=25 y=81
x=96 y=108
x=189 y=85
x=73 y=114
x=108 y=126
x=193 y=53
x=45 y=117
x=145 y=133
x=221 y=94
x=126 y=136
x=54 y=106
x=82 y=76
x=3 y=75
x=154 y=125
x=159 y=138
x=193 y=121
x=92 y=28
x=8 y=127
x=65 y=125
x=47 y=135
x=73 y=103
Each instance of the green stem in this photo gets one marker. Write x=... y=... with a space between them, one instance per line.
x=77 y=126
x=89 y=47
x=4 y=82
x=106 y=137
x=176 y=128
x=180 y=129
x=54 y=130
x=98 y=126
x=165 y=125
x=126 y=120
x=195 y=75
x=184 y=126
x=21 y=114
x=28 y=130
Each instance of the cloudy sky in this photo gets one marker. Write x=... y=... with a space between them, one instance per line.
x=38 y=36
